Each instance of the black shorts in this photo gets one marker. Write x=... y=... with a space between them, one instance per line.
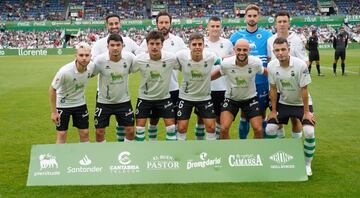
x=341 y=54
x=314 y=56
x=250 y=107
x=217 y=98
x=79 y=115
x=160 y=108
x=204 y=109
x=174 y=96
x=288 y=111
x=123 y=113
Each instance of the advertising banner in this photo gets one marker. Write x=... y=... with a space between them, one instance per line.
x=167 y=162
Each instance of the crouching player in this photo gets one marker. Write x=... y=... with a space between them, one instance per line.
x=290 y=77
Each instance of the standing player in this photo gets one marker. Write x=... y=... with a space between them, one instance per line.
x=113 y=98
x=312 y=45
x=196 y=65
x=297 y=49
x=241 y=71
x=339 y=43
x=258 y=43
x=172 y=44
x=289 y=76
x=67 y=95
x=156 y=68
x=222 y=48
x=113 y=26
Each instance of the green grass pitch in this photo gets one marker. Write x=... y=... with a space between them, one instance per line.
x=25 y=120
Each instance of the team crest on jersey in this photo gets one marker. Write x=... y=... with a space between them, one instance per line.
x=205 y=64
x=206 y=45
x=74 y=79
x=125 y=65
x=189 y=65
x=147 y=65
x=232 y=71
x=89 y=75
x=172 y=43
x=277 y=73
x=250 y=70
x=259 y=36
x=292 y=73
x=164 y=64
x=107 y=67
x=221 y=45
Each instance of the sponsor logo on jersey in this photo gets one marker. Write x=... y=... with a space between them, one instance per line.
x=154 y=75
x=240 y=82
x=116 y=76
x=79 y=86
x=196 y=74
x=285 y=83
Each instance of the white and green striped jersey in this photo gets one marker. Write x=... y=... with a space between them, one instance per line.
x=173 y=44
x=70 y=85
x=290 y=80
x=240 y=80
x=223 y=47
x=155 y=75
x=196 y=76
x=113 y=78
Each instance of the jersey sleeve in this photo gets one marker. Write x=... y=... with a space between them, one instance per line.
x=269 y=48
x=142 y=47
x=58 y=79
x=95 y=51
x=305 y=78
x=234 y=37
x=300 y=51
x=135 y=66
x=271 y=74
x=96 y=69
x=131 y=58
x=259 y=66
x=182 y=45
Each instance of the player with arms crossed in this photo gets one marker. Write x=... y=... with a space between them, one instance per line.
x=156 y=68
x=290 y=76
x=67 y=95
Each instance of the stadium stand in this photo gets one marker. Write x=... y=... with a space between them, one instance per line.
x=31 y=10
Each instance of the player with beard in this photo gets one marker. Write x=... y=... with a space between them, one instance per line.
x=113 y=26
x=67 y=95
x=258 y=41
x=171 y=44
x=240 y=71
